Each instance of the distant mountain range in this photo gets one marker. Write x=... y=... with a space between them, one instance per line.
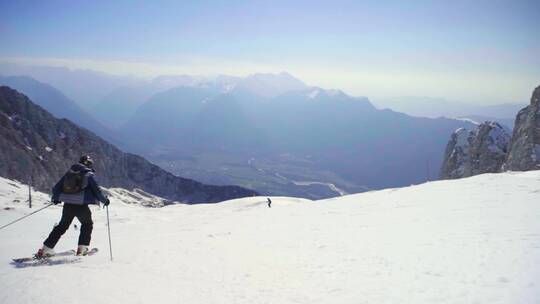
x=271 y=133
x=36 y=146
x=57 y=104
x=86 y=87
x=440 y=107
x=302 y=142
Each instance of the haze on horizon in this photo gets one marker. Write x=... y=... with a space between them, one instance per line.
x=482 y=52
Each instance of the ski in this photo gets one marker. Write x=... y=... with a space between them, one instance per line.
x=59 y=254
x=49 y=261
x=33 y=258
x=65 y=257
x=91 y=251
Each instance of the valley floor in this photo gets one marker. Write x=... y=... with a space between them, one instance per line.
x=474 y=240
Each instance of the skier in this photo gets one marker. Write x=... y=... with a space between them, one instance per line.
x=77 y=189
x=269 y=202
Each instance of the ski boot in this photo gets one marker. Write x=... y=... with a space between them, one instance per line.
x=44 y=252
x=82 y=250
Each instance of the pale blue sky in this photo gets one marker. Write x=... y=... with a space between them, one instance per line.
x=476 y=51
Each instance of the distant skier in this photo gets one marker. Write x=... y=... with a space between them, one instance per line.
x=269 y=202
x=77 y=189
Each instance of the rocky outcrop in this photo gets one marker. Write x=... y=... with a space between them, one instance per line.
x=524 y=150
x=36 y=145
x=472 y=152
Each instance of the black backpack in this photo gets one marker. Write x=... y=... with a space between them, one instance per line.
x=73 y=182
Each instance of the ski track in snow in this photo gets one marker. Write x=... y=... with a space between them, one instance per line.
x=473 y=240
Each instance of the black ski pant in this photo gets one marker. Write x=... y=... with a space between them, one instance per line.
x=83 y=214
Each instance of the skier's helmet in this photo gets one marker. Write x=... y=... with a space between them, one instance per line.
x=86 y=160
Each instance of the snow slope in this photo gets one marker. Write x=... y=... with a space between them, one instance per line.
x=472 y=240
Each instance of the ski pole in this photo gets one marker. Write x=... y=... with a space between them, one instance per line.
x=109 y=228
x=25 y=216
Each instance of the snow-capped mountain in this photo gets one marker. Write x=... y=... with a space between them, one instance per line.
x=472 y=240
x=258 y=84
x=269 y=85
x=316 y=92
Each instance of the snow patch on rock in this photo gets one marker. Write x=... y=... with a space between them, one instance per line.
x=313 y=94
x=137 y=197
x=474 y=122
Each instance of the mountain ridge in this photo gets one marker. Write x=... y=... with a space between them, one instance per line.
x=58 y=104
x=325 y=132
x=37 y=145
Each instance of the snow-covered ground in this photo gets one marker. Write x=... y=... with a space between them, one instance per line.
x=474 y=240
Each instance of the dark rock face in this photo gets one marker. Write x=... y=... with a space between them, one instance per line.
x=482 y=150
x=456 y=155
x=34 y=144
x=524 y=151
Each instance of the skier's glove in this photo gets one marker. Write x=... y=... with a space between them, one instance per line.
x=56 y=202
x=106 y=202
